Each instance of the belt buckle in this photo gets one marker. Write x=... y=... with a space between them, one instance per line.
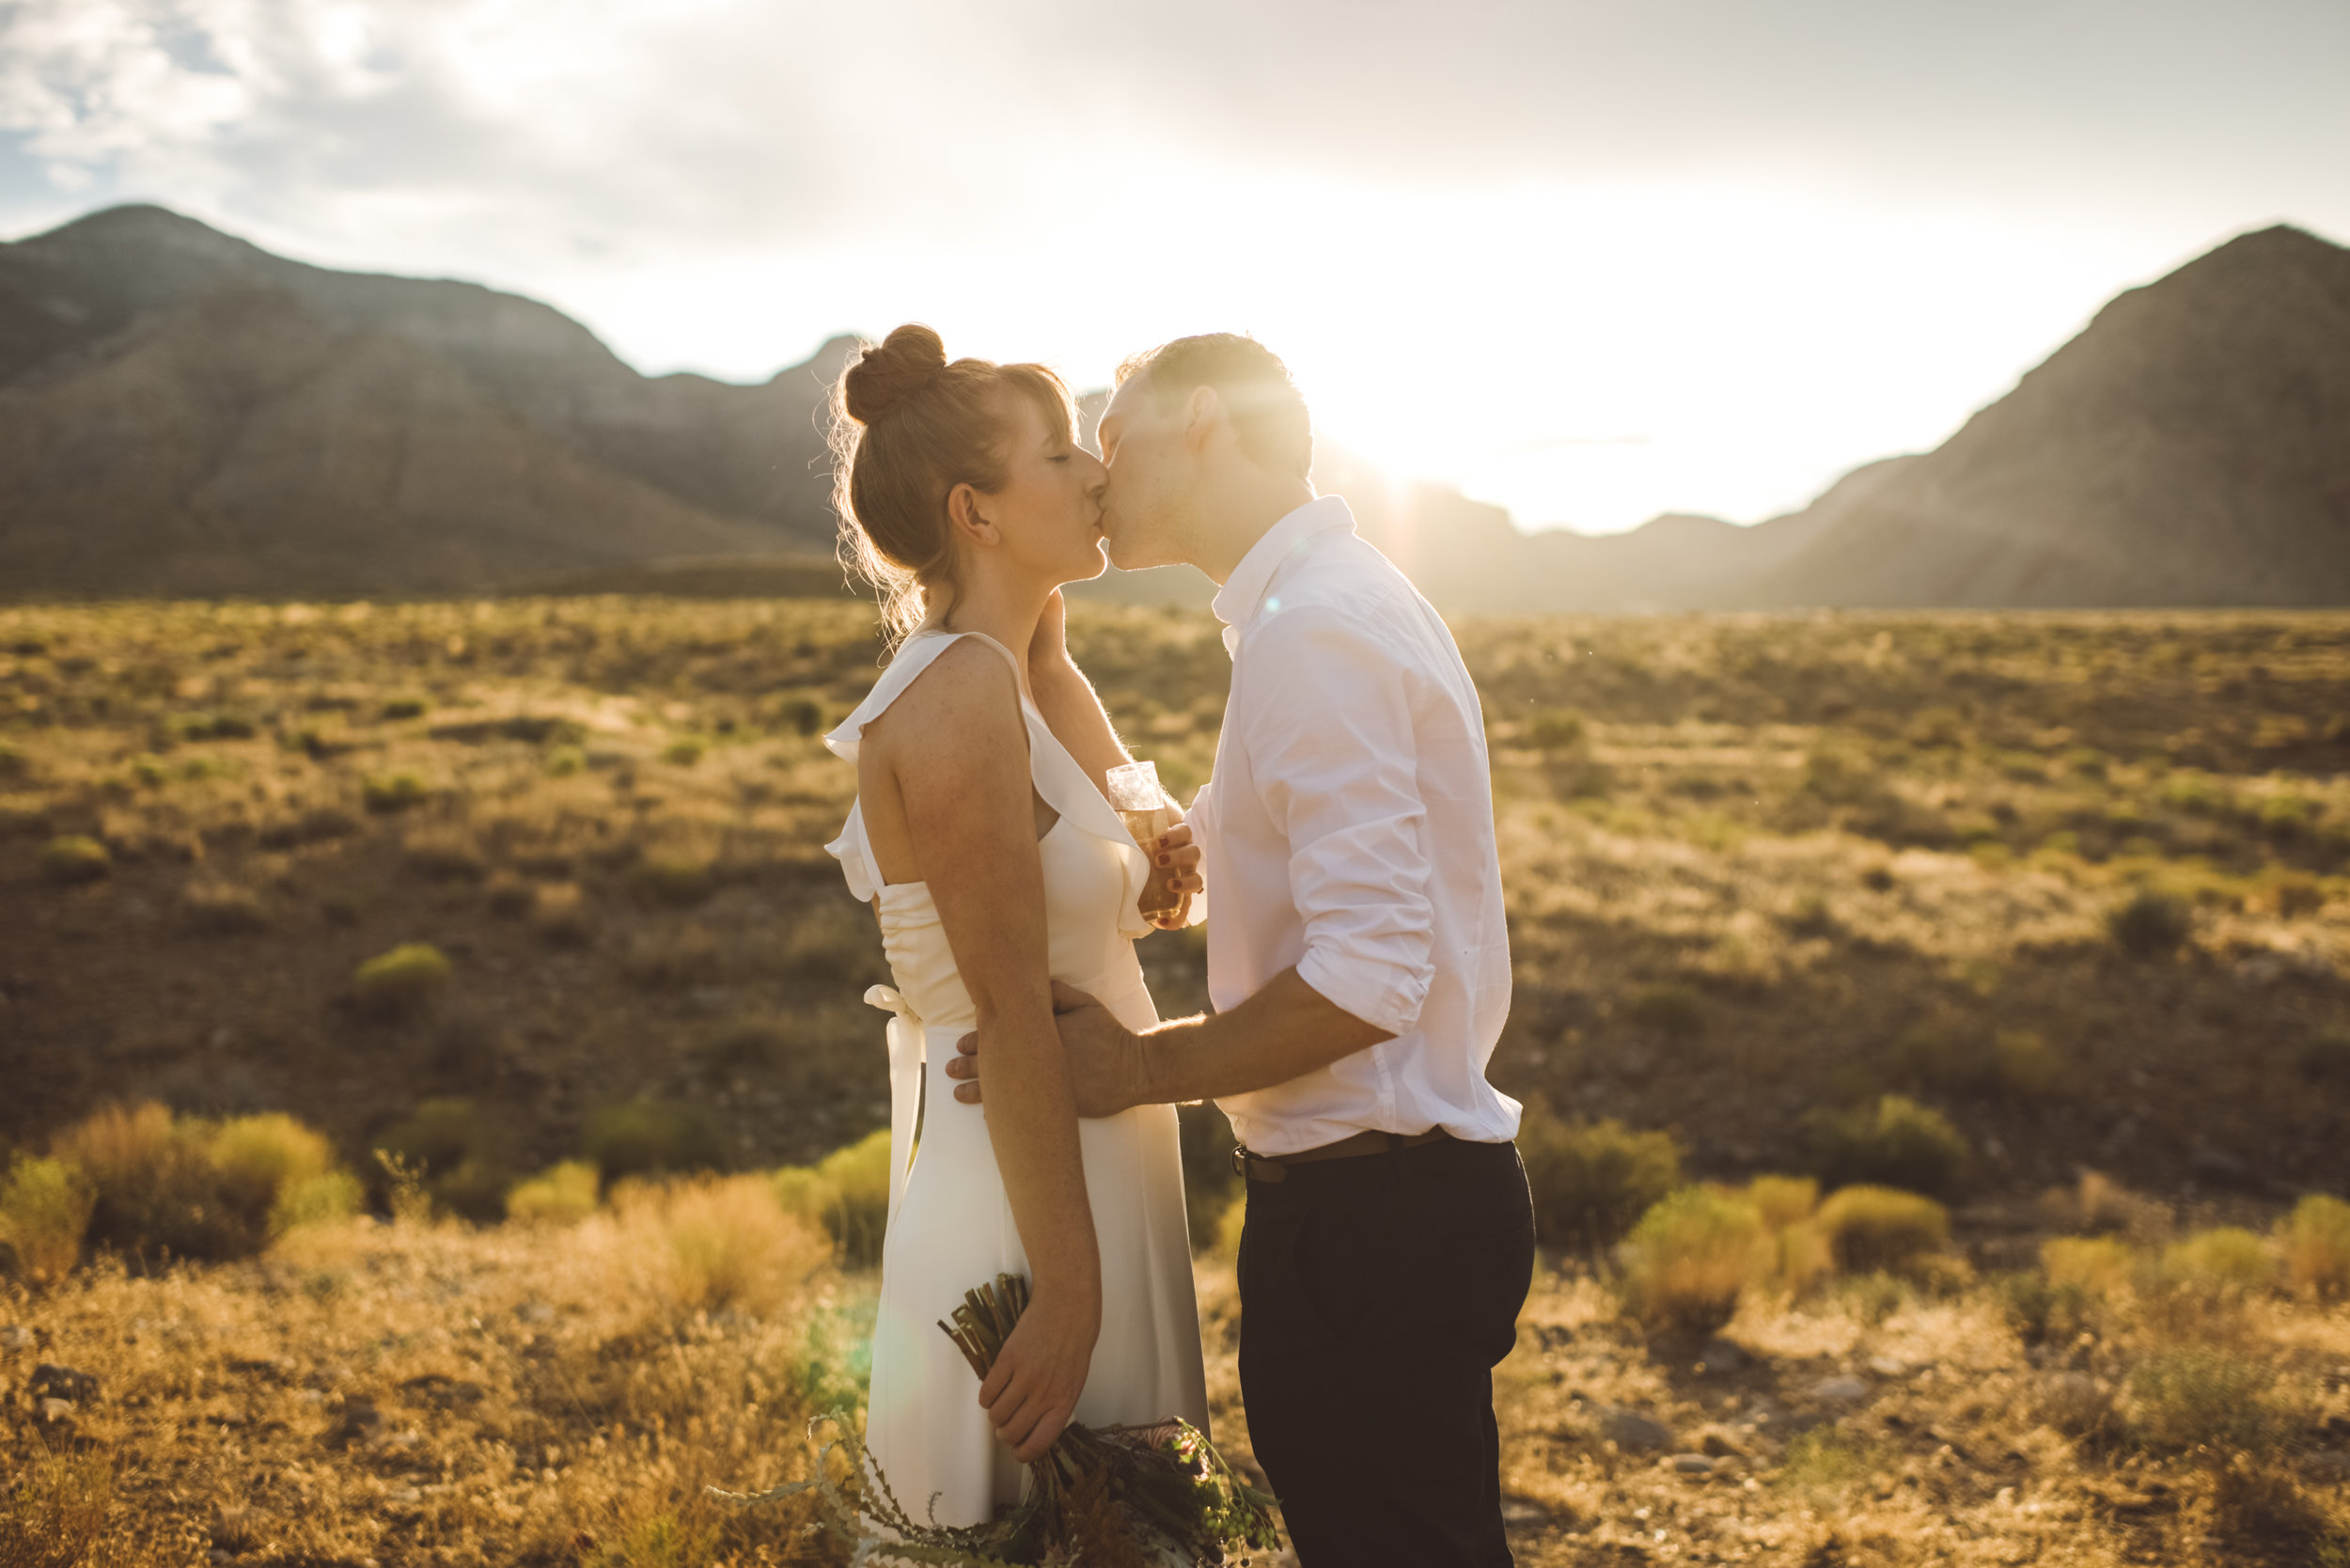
x=1274 y=1171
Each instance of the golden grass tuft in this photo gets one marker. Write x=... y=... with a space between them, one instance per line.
x=712 y=1242
x=2316 y=1238
x=1882 y=1230
x=1689 y=1258
x=44 y=1210
x=563 y=1194
x=401 y=983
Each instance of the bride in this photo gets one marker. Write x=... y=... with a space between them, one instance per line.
x=983 y=841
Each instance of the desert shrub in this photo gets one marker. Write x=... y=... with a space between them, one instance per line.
x=1592 y=1182
x=2317 y=1237
x=2194 y=1397
x=1881 y=1229
x=684 y=751
x=677 y=877
x=2038 y=1309
x=1894 y=1143
x=2224 y=1262
x=2197 y=794
x=404 y=708
x=719 y=1242
x=2026 y=1064
x=1556 y=729
x=258 y=1157
x=158 y=1188
x=651 y=1138
x=558 y=913
x=319 y=1199
x=401 y=983
x=847 y=1192
x=54 y=1515
x=386 y=792
x=445 y=854
x=462 y=1155
x=564 y=1194
x=2098 y=1266
x=217 y=908
x=1689 y=1258
x=1671 y=1010
x=72 y=858
x=44 y=1211
x=1783 y=1200
x=2151 y=924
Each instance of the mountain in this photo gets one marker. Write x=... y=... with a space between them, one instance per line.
x=182 y=412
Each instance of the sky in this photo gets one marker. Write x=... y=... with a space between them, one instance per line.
x=1590 y=261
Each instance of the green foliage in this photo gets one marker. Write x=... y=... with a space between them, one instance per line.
x=2225 y=1261
x=44 y=1210
x=2151 y=924
x=1671 y=1010
x=2208 y=1397
x=1556 y=729
x=653 y=1138
x=1894 y=1143
x=562 y=1194
x=684 y=751
x=1826 y=1459
x=1881 y=1229
x=72 y=858
x=847 y=1192
x=1688 y=1260
x=401 y=983
x=2316 y=1239
x=256 y=1158
x=404 y=708
x=462 y=1155
x=387 y=793
x=1592 y=1182
x=2038 y=1309
x=321 y=1200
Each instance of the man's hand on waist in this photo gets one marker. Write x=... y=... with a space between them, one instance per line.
x=1104 y=1057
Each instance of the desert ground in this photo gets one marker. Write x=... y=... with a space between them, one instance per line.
x=438 y=1104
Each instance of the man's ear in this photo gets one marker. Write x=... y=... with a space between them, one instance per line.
x=964 y=517
x=1202 y=414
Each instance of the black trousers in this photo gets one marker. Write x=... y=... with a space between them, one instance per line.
x=1377 y=1294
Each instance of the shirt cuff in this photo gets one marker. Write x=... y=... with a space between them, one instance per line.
x=1384 y=995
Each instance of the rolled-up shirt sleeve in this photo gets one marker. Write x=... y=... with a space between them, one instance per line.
x=1330 y=737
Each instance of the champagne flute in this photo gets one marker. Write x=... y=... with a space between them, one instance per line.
x=1147 y=811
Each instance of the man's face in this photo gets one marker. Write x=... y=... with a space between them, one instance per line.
x=1144 y=511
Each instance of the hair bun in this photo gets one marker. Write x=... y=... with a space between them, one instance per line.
x=901 y=366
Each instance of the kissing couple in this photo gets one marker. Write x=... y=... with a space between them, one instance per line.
x=1359 y=959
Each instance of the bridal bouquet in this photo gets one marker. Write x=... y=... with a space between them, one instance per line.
x=1113 y=1496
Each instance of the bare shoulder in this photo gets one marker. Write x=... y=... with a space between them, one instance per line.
x=965 y=708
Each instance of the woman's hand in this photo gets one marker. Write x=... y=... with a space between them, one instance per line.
x=1032 y=1390
x=1166 y=900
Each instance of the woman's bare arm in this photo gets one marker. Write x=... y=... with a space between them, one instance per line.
x=955 y=748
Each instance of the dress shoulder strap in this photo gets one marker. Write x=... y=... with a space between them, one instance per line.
x=914 y=655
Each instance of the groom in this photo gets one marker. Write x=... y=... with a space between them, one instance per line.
x=1360 y=969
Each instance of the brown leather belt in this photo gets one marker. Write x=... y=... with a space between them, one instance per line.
x=1275 y=1168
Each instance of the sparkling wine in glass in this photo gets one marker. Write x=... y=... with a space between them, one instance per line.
x=1143 y=805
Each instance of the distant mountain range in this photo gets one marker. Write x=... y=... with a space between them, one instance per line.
x=185 y=413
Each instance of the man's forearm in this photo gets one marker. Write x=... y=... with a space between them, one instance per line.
x=1284 y=1031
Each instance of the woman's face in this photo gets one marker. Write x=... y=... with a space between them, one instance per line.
x=1048 y=510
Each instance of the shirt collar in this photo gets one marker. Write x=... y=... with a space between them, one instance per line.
x=1243 y=594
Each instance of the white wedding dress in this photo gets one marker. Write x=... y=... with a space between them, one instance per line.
x=950 y=1224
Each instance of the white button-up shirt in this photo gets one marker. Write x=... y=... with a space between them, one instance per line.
x=1348 y=830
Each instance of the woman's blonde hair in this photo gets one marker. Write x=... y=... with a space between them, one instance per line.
x=907 y=427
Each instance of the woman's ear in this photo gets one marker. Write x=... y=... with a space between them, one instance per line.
x=965 y=519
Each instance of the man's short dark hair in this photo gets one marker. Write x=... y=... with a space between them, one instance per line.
x=1268 y=415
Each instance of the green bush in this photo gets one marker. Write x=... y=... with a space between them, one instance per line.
x=386 y=792
x=2150 y=925
x=653 y=1138
x=44 y=1212
x=401 y=983
x=1882 y=1230
x=1556 y=729
x=2316 y=1238
x=684 y=751
x=561 y=1195
x=158 y=1190
x=847 y=1192
x=404 y=708
x=1688 y=1260
x=258 y=1157
x=2204 y=1397
x=1592 y=1182
x=1894 y=1143
x=462 y=1156
x=1672 y=1009
x=2223 y=1263
x=2038 y=1309
x=72 y=858
x=319 y=1199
